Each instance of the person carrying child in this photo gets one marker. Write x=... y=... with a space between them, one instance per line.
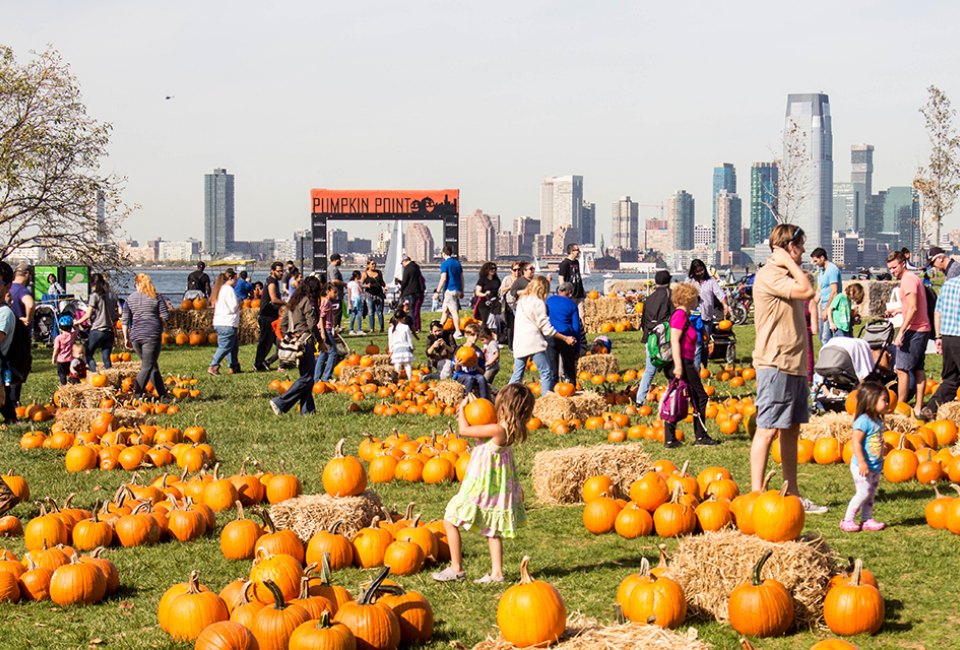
x=78 y=365
x=469 y=365
x=63 y=347
x=491 y=355
x=400 y=340
x=867 y=461
x=839 y=313
x=490 y=499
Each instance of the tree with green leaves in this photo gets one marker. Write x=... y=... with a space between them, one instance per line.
x=53 y=195
x=938 y=182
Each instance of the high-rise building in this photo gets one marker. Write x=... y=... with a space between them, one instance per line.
x=729 y=219
x=703 y=236
x=336 y=242
x=657 y=236
x=861 y=177
x=507 y=244
x=218 y=212
x=724 y=178
x=626 y=224
x=764 y=186
x=901 y=215
x=806 y=177
x=526 y=228
x=680 y=215
x=561 y=199
x=418 y=243
x=845 y=200
x=478 y=236
x=588 y=223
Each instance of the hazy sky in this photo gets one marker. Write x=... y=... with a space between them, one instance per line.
x=640 y=98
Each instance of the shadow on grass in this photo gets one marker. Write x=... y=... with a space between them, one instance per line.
x=893 y=609
x=904 y=494
x=912 y=521
x=619 y=563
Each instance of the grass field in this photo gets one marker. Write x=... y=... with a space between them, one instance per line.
x=916 y=566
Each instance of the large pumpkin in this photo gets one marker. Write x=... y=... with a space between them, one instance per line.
x=77 y=583
x=189 y=613
x=374 y=625
x=855 y=607
x=339 y=548
x=343 y=476
x=283 y=570
x=650 y=599
x=414 y=613
x=531 y=613
x=226 y=635
x=324 y=634
x=238 y=539
x=480 y=411
x=760 y=607
x=778 y=516
x=274 y=624
x=674 y=518
x=600 y=515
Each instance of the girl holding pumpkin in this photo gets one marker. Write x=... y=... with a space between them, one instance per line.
x=867 y=461
x=490 y=499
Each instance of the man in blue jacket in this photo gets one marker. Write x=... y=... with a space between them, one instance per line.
x=565 y=318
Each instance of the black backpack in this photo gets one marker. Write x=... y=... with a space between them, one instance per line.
x=931 y=303
x=19 y=358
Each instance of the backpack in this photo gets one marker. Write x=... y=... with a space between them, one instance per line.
x=931 y=303
x=658 y=343
x=18 y=362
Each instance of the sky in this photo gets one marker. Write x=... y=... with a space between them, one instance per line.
x=640 y=98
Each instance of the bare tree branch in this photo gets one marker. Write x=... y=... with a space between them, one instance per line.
x=939 y=180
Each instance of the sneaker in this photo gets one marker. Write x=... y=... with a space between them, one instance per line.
x=812 y=508
x=672 y=444
x=458 y=336
x=276 y=408
x=213 y=370
x=707 y=441
x=849 y=526
x=448 y=575
x=873 y=524
x=487 y=579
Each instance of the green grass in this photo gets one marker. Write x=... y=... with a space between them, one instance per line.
x=915 y=564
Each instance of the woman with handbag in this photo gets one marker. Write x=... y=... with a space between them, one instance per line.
x=684 y=370
x=299 y=324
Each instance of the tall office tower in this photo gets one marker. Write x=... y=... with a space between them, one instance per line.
x=588 y=223
x=561 y=199
x=846 y=197
x=218 y=212
x=724 y=178
x=703 y=236
x=764 y=185
x=680 y=214
x=507 y=244
x=729 y=222
x=626 y=224
x=478 y=237
x=419 y=243
x=526 y=228
x=901 y=216
x=807 y=169
x=337 y=242
x=861 y=176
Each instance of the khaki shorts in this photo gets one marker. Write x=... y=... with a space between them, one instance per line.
x=451 y=301
x=782 y=400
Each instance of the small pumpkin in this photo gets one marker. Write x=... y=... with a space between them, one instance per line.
x=330 y=541
x=633 y=521
x=413 y=611
x=283 y=570
x=238 y=539
x=674 y=518
x=191 y=611
x=532 y=612
x=9 y=588
x=77 y=583
x=650 y=599
x=35 y=582
x=274 y=624
x=760 y=607
x=226 y=635
x=370 y=544
x=343 y=476
x=778 y=516
x=322 y=634
x=855 y=607
x=403 y=558
x=278 y=542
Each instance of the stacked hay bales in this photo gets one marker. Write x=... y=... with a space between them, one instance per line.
x=840 y=426
x=309 y=514
x=558 y=475
x=249 y=327
x=450 y=392
x=192 y=320
x=120 y=371
x=582 y=405
x=607 y=310
x=709 y=566
x=73 y=396
x=949 y=411
x=598 y=364
x=78 y=420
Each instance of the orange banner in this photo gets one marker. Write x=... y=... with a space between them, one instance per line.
x=385 y=202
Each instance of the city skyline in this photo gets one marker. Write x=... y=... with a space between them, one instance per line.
x=509 y=123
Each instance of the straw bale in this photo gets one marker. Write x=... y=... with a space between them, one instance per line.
x=949 y=411
x=551 y=407
x=450 y=392
x=349 y=372
x=83 y=395
x=77 y=420
x=708 y=567
x=249 y=326
x=120 y=371
x=598 y=364
x=383 y=374
x=191 y=320
x=899 y=423
x=309 y=514
x=382 y=360
x=588 y=404
x=583 y=633
x=828 y=425
x=558 y=475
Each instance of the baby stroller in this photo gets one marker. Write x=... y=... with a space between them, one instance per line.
x=723 y=346
x=845 y=362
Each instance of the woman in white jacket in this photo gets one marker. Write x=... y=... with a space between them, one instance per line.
x=532 y=331
x=226 y=322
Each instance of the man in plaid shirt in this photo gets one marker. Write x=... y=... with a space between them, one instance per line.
x=946 y=326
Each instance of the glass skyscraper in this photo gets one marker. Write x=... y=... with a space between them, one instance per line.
x=808 y=168
x=218 y=212
x=680 y=213
x=724 y=178
x=764 y=184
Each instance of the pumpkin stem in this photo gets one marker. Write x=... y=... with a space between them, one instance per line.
x=644 y=567
x=97 y=552
x=239 y=510
x=304 y=587
x=415 y=521
x=338 y=450
x=757 y=581
x=525 y=577
x=324 y=621
x=410 y=507
x=784 y=488
x=265 y=517
x=325 y=570
x=662 y=564
x=216 y=472
x=618 y=614
x=746 y=645
x=367 y=597
x=857 y=572
x=683 y=469
x=193 y=583
x=766 y=480
x=956 y=488
x=278 y=601
x=335 y=525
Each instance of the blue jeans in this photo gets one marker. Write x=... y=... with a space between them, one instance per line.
x=375 y=308
x=149 y=353
x=542 y=359
x=356 y=315
x=227 y=344
x=474 y=383
x=825 y=332
x=649 y=370
x=302 y=389
x=99 y=340
x=323 y=369
x=703 y=352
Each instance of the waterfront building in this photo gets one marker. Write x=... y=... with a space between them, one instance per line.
x=626 y=224
x=764 y=188
x=561 y=200
x=809 y=167
x=218 y=214
x=681 y=217
x=724 y=179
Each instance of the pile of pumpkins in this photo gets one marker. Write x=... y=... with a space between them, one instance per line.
x=670 y=503
x=286 y=606
x=192 y=338
x=943 y=511
x=59 y=574
x=429 y=459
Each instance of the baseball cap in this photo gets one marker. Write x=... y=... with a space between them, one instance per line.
x=335 y=257
x=934 y=253
x=662 y=277
x=405 y=258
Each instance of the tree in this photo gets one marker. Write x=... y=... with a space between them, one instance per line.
x=794 y=175
x=939 y=181
x=51 y=187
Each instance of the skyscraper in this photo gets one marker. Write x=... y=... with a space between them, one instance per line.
x=218 y=212
x=729 y=219
x=526 y=228
x=764 y=184
x=588 y=223
x=478 y=236
x=845 y=200
x=626 y=224
x=806 y=177
x=724 y=178
x=561 y=199
x=419 y=243
x=680 y=214
x=861 y=176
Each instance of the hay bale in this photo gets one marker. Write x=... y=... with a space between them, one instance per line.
x=309 y=514
x=384 y=375
x=598 y=364
x=949 y=411
x=558 y=475
x=552 y=407
x=249 y=326
x=828 y=425
x=583 y=633
x=899 y=423
x=381 y=360
x=450 y=392
x=710 y=566
x=120 y=371
x=588 y=404
x=82 y=395
x=78 y=420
